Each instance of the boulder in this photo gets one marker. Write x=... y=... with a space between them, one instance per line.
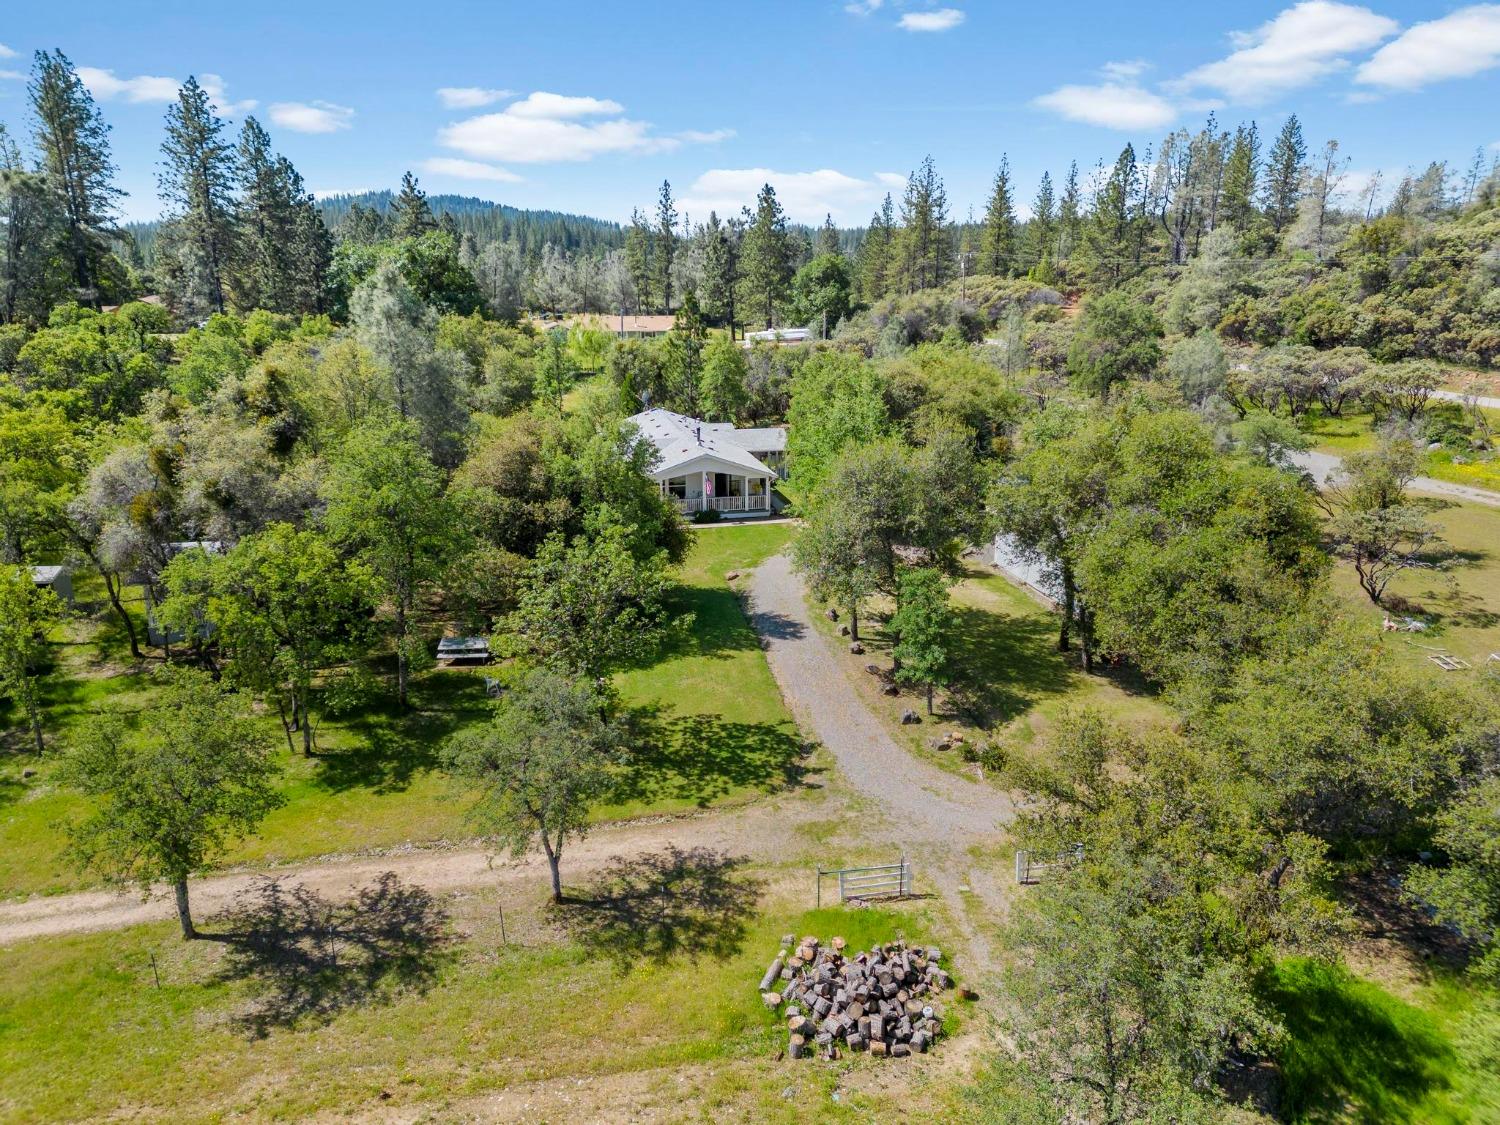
x=856 y=649
x=908 y=717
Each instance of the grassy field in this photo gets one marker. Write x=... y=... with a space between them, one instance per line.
x=1461 y=601
x=667 y=1015
x=1353 y=432
x=719 y=734
x=1356 y=1052
x=1010 y=681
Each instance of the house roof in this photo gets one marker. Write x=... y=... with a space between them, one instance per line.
x=45 y=575
x=652 y=325
x=680 y=440
x=757 y=439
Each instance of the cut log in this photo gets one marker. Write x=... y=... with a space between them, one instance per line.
x=919 y=1041
x=798 y=1025
x=797 y=1047
x=771 y=1000
x=877 y=1047
x=771 y=974
x=900 y=1050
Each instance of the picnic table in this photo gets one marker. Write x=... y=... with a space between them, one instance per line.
x=451 y=649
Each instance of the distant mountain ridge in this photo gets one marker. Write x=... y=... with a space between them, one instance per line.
x=486 y=220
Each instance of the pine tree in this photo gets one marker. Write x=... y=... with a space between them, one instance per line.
x=766 y=259
x=284 y=247
x=721 y=270
x=638 y=259
x=1284 y=173
x=75 y=159
x=666 y=243
x=997 y=248
x=197 y=178
x=828 y=238
x=924 y=242
x=410 y=214
x=1241 y=172
x=1042 y=231
x=1069 y=216
x=1111 y=236
x=877 y=251
x=33 y=276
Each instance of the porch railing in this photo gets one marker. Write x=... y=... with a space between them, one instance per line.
x=723 y=504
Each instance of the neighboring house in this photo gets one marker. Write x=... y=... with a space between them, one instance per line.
x=54 y=578
x=711 y=466
x=779 y=336
x=624 y=326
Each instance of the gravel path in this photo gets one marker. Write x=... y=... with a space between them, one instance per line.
x=927 y=803
x=758 y=831
x=1325 y=467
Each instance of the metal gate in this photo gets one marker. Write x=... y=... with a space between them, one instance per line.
x=1030 y=867
x=886 y=880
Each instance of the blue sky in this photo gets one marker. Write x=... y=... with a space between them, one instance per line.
x=588 y=106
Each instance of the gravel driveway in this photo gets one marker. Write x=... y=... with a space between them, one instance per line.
x=1325 y=467
x=928 y=803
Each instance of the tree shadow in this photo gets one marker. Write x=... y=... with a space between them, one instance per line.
x=658 y=905
x=390 y=746
x=307 y=957
x=702 y=757
x=1009 y=664
x=1350 y=1043
x=777 y=626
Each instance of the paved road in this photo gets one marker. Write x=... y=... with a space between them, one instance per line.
x=1487 y=401
x=1325 y=467
x=929 y=803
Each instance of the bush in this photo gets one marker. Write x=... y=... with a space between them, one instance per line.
x=708 y=515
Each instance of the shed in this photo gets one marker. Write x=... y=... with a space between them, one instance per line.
x=54 y=578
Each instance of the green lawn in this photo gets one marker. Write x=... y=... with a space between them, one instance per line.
x=1355 y=1052
x=1009 y=680
x=1353 y=433
x=718 y=733
x=86 y=1032
x=1462 y=601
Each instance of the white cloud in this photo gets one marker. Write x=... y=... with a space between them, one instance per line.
x=218 y=92
x=104 y=85
x=890 y=179
x=469 y=170
x=805 y=196
x=471 y=97
x=546 y=128
x=312 y=117
x=563 y=106
x=941 y=19
x=704 y=136
x=1298 y=46
x=862 y=7
x=1112 y=105
x=1460 y=44
x=10 y=74
x=6 y=52
x=1126 y=70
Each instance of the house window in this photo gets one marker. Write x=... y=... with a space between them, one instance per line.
x=677 y=488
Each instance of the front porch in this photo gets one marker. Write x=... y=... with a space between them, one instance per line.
x=727 y=493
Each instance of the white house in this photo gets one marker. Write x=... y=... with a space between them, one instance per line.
x=713 y=466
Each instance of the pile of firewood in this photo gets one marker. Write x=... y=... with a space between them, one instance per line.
x=883 y=1000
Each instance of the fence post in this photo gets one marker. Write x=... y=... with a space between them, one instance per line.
x=820 y=886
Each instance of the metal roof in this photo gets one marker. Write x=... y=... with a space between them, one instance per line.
x=681 y=440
